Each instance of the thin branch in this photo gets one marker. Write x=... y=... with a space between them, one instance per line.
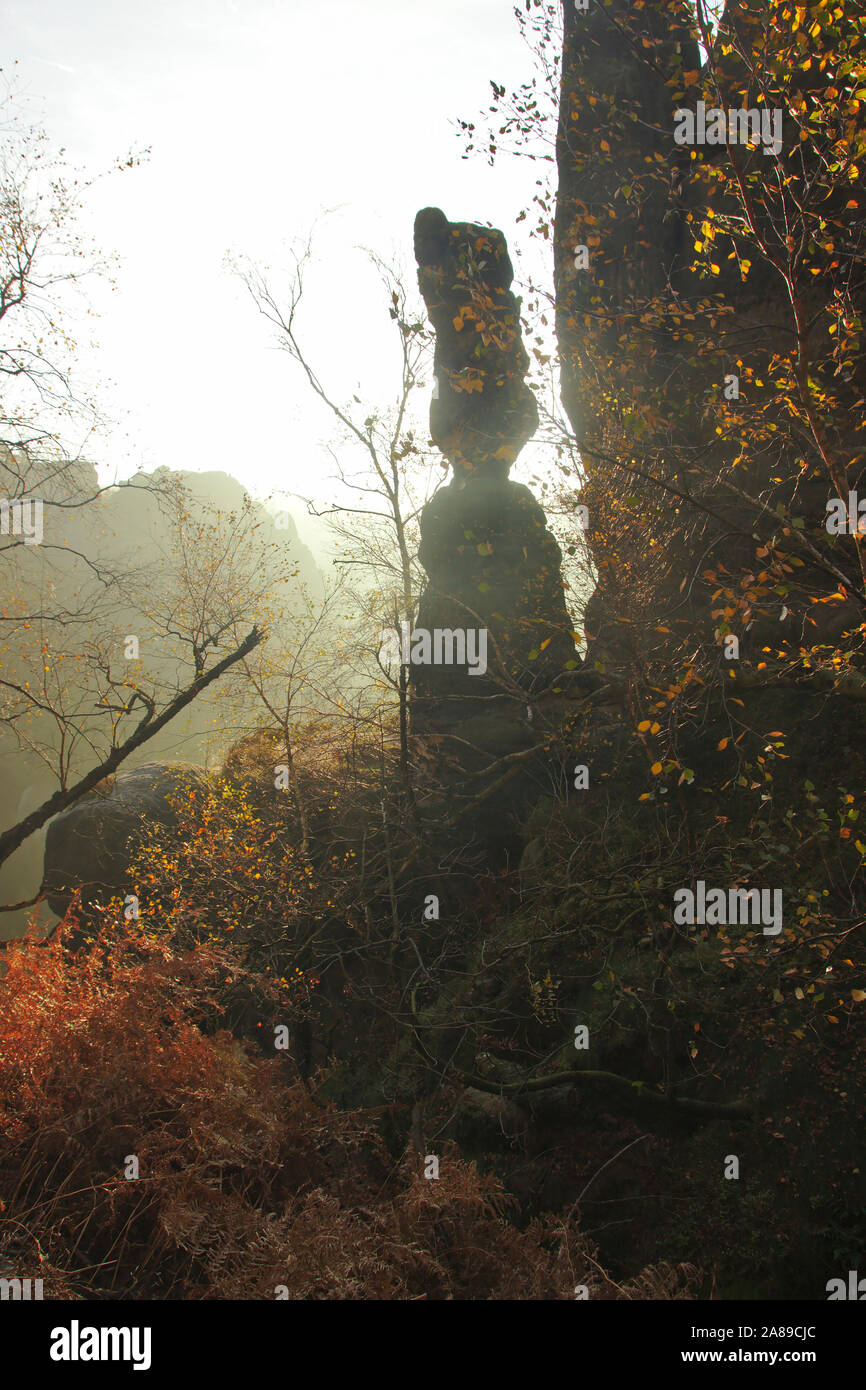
x=12 y=838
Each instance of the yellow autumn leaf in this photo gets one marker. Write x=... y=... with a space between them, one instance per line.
x=458 y=322
x=655 y=728
x=656 y=769
x=723 y=743
x=858 y=995
x=605 y=146
x=643 y=726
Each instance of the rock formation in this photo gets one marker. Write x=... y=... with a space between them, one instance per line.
x=89 y=846
x=654 y=330
x=491 y=562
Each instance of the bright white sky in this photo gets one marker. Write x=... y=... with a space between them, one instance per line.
x=260 y=115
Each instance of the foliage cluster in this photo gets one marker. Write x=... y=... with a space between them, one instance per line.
x=248 y=1187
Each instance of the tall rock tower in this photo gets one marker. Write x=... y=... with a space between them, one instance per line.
x=491 y=562
x=706 y=277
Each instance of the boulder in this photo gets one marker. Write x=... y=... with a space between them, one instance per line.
x=89 y=845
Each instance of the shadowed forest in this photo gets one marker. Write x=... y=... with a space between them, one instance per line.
x=471 y=908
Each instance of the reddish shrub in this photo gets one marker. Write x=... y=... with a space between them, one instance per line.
x=246 y=1181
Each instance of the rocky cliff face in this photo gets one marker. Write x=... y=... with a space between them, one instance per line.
x=491 y=562
x=679 y=341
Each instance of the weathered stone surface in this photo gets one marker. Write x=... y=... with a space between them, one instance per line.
x=646 y=343
x=483 y=412
x=492 y=564
x=89 y=845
